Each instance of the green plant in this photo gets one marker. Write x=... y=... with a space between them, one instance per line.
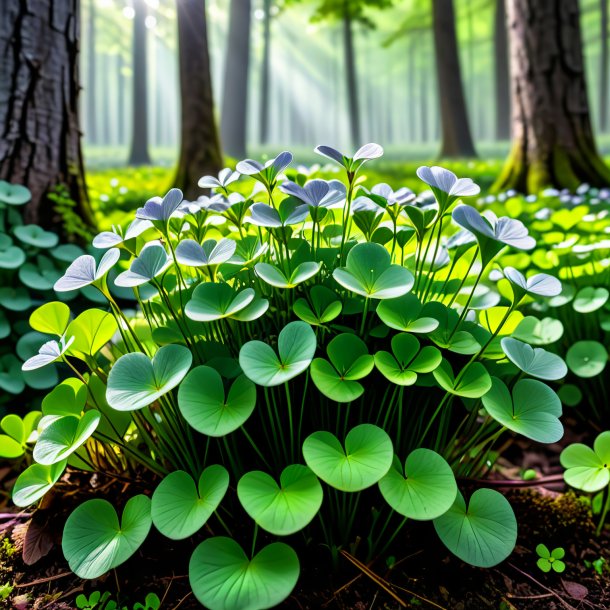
x=550 y=560
x=103 y=601
x=298 y=356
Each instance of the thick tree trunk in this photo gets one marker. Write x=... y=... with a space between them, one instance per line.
x=265 y=75
x=350 y=74
x=233 y=122
x=456 y=138
x=91 y=132
x=199 y=145
x=603 y=67
x=39 y=87
x=502 y=77
x=138 y=154
x=553 y=141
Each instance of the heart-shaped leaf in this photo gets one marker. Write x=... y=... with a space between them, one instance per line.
x=587 y=358
x=94 y=541
x=64 y=436
x=211 y=301
x=472 y=382
x=349 y=361
x=51 y=318
x=223 y=578
x=588 y=469
x=536 y=362
x=12 y=258
x=405 y=314
x=368 y=272
x=590 y=299
x=323 y=306
x=539 y=332
x=211 y=252
x=135 y=381
x=36 y=236
x=533 y=410
x=296 y=348
x=281 y=510
x=211 y=412
x=426 y=489
x=406 y=360
x=91 y=330
x=274 y=276
x=151 y=262
x=35 y=481
x=482 y=534
x=366 y=458
x=14 y=194
x=180 y=508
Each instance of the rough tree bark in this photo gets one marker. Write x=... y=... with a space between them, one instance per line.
x=350 y=74
x=603 y=66
x=502 y=77
x=138 y=153
x=233 y=122
x=39 y=118
x=455 y=128
x=265 y=74
x=553 y=142
x=199 y=144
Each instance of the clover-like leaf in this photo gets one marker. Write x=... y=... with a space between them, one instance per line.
x=35 y=481
x=590 y=299
x=368 y=272
x=14 y=194
x=179 y=508
x=296 y=348
x=211 y=412
x=322 y=307
x=192 y=254
x=366 y=458
x=406 y=314
x=222 y=577
x=281 y=510
x=84 y=271
x=587 y=358
x=36 y=236
x=212 y=301
x=94 y=541
x=426 y=489
x=275 y=276
x=136 y=381
x=533 y=410
x=51 y=318
x=161 y=209
x=540 y=284
x=151 y=262
x=472 y=382
x=536 y=362
x=588 y=469
x=483 y=533
x=349 y=361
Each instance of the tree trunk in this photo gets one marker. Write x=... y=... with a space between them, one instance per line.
x=39 y=119
x=91 y=74
x=120 y=116
x=199 y=145
x=603 y=67
x=138 y=154
x=502 y=77
x=350 y=74
x=553 y=141
x=265 y=73
x=233 y=123
x=456 y=138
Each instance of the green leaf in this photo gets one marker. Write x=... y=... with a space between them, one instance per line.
x=91 y=330
x=211 y=301
x=274 y=276
x=64 y=436
x=590 y=299
x=426 y=489
x=533 y=410
x=473 y=380
x=544 y=564
x=349 y=361
x=223 y=578
x=368 y=272
x=281 y=510
x=11 y=377
x=588 y=469
x=94 y=541
x=296 y=348
x=210 y=412
x=536 y=362
x=36 y=236
x=14 y=194
x=543 y=551
x=482 y=534
x=15 y=299
x=323 y=306
x=135 y=381
x=539 y=332
x=12 y=258
x=10 y=449
x=35 y=481
x=180 y=508
x=405 y=314
x=51 y=318
x=68 y=398
x=367 y=457
x=587 y=358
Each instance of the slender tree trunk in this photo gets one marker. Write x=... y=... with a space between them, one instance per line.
x=553 y=142
x=40 y=143
x=91 y=75
x=603 y=67
x=138 y=154
x=502 y=77
x=350 y=74
x=456 y=138
x=233 y=123
x=265 y=74
x=199 y=144
x=120 y=116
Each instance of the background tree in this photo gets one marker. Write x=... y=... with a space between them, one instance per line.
x=265 y=73
x=199 y=144
x=235 y=90
x=603 y=66
x=501 y=72
x=553 y=142
x=39 y=90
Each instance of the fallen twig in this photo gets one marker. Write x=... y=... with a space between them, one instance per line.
x=42 y=580
x=553 y=593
